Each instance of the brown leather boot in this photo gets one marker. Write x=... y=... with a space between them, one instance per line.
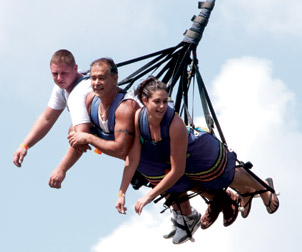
x=230 y=208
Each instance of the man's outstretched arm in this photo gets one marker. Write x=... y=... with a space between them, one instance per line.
x=70 y=158
x=39 y=129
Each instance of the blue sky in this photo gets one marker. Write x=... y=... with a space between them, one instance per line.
x=250 y=60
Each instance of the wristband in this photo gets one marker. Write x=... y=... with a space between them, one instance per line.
x=97 y=151
x=24 y=146
x=121 y=195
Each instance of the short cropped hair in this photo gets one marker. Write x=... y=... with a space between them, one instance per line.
x=63 y=56
x=109 y=62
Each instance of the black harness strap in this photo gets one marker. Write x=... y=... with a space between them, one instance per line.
x=150 y=55
x=247 y=167
x=161 y=54
x=185 y=226
x=209 y=113
x=177 y=198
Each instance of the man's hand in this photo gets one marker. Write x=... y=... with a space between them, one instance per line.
x=82 y=148
x=56 y=178
x=78 y=138
x=19 y=156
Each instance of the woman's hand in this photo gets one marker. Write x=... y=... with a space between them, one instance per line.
x=141 y=203
x=120 y=205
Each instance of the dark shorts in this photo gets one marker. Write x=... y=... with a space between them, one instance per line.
x=226 y=178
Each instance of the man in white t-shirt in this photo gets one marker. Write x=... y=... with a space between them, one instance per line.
x=70 y=91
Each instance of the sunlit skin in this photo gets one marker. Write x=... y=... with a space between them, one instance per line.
x=64 y=76
x=102 y=80
x=156 y=105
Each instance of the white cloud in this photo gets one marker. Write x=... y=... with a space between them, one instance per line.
x=145 y=233
x=250 y=101
x=256 y=111
x=274 y=16
x=253 y=110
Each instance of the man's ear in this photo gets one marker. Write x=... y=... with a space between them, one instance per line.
x=115 y=77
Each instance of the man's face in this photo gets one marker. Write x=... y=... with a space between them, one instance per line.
x=63 y=75
x=102 y=82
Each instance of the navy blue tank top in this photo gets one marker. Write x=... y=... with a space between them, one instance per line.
x=205 y=160
x=111 y=116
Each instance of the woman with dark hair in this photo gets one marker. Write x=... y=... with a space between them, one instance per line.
x=175 y=158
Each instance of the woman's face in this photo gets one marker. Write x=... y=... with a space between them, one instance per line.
x=157 y=104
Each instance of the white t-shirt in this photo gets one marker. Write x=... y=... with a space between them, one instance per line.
x=75 y=101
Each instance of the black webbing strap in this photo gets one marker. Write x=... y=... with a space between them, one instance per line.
x=177 y=198
x=182 y=63
x=210 y=114
x=150 y=55
x=206 y=112
x=185 y=226
x=142 y=69
x=252 y=194
x=188 y=116
x=247 y=167
x=187 y=78
x=172 y=68
x=168 y=55
x=181 y=95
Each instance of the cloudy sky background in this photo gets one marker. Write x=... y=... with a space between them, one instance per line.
x=250 y=60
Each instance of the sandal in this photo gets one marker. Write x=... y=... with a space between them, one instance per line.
x=230 y=208
x=245 y=210
x=211 y=214
x=270 y=205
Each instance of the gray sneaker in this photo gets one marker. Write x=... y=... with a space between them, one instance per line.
x=193 y=223
x=173 y=228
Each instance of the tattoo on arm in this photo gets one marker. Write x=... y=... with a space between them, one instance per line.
x=125 y=131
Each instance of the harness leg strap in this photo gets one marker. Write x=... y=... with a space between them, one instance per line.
x=185 y=226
